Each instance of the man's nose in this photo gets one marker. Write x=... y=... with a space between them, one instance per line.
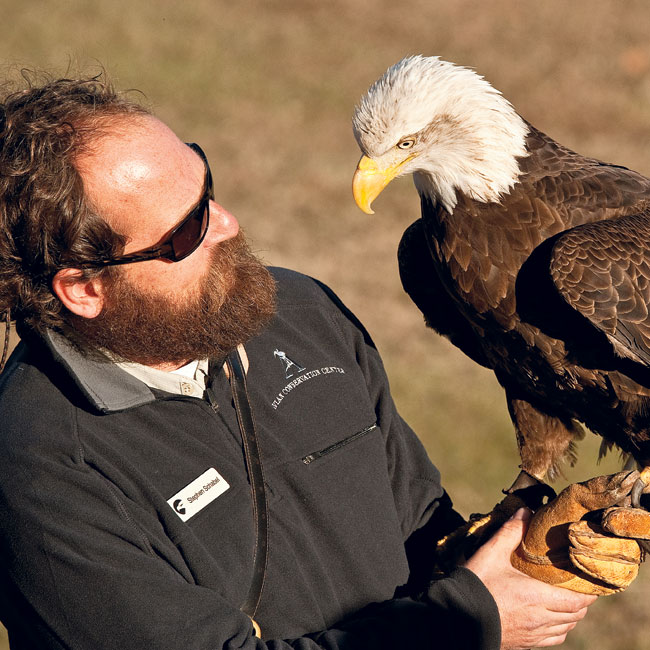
x=223 y=225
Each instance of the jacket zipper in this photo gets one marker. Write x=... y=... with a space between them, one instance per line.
x=337 y=445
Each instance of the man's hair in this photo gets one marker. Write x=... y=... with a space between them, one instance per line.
x=46 y=221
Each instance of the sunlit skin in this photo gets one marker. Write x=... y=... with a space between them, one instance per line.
x=143 y=180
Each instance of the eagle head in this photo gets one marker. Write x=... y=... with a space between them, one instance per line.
x=442 y=123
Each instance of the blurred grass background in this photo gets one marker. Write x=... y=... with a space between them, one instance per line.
x=268 y=89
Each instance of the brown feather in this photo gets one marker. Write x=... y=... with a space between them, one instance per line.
x=556 y=278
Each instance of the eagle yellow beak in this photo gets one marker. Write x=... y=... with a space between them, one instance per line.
x=370 y=179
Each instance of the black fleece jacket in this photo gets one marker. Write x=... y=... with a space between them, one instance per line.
x=126 y=517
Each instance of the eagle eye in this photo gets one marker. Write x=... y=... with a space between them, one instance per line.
x=406 y=143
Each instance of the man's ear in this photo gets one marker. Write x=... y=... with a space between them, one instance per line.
x=80 y=296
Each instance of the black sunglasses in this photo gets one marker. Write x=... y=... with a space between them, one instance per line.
x=183 y=240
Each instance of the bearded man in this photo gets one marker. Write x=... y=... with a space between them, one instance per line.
x=155 y=495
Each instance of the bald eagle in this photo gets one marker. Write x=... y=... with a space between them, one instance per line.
x=532 y=259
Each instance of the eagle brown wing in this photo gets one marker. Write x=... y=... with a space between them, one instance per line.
x=423 y=285
x=482 y=246
x=602 y=270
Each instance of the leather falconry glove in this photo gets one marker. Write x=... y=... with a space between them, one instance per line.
x=586 y=538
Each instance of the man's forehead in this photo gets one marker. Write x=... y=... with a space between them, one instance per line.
x=130 y=147
x=138 y=165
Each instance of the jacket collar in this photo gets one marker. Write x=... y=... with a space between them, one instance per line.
x=106 y=386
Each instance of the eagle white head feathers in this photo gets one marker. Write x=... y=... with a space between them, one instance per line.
x=443 y=123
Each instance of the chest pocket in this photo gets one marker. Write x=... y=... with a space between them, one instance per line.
x=321 y=453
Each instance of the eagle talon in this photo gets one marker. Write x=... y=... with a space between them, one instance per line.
x=636 y=492
x=640 y=487
x=531 y=491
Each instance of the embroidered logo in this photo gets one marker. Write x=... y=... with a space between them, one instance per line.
x=198 y=494
x=290 y=367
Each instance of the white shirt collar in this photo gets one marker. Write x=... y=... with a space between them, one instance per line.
x=190 y=380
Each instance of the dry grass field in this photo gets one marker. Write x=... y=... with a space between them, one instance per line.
x=268 y=89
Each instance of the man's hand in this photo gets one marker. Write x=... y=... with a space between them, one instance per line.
x=533 y=614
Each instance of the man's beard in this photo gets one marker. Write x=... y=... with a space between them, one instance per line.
x=234 y=302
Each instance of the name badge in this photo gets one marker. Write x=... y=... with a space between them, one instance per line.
x=198 y=494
